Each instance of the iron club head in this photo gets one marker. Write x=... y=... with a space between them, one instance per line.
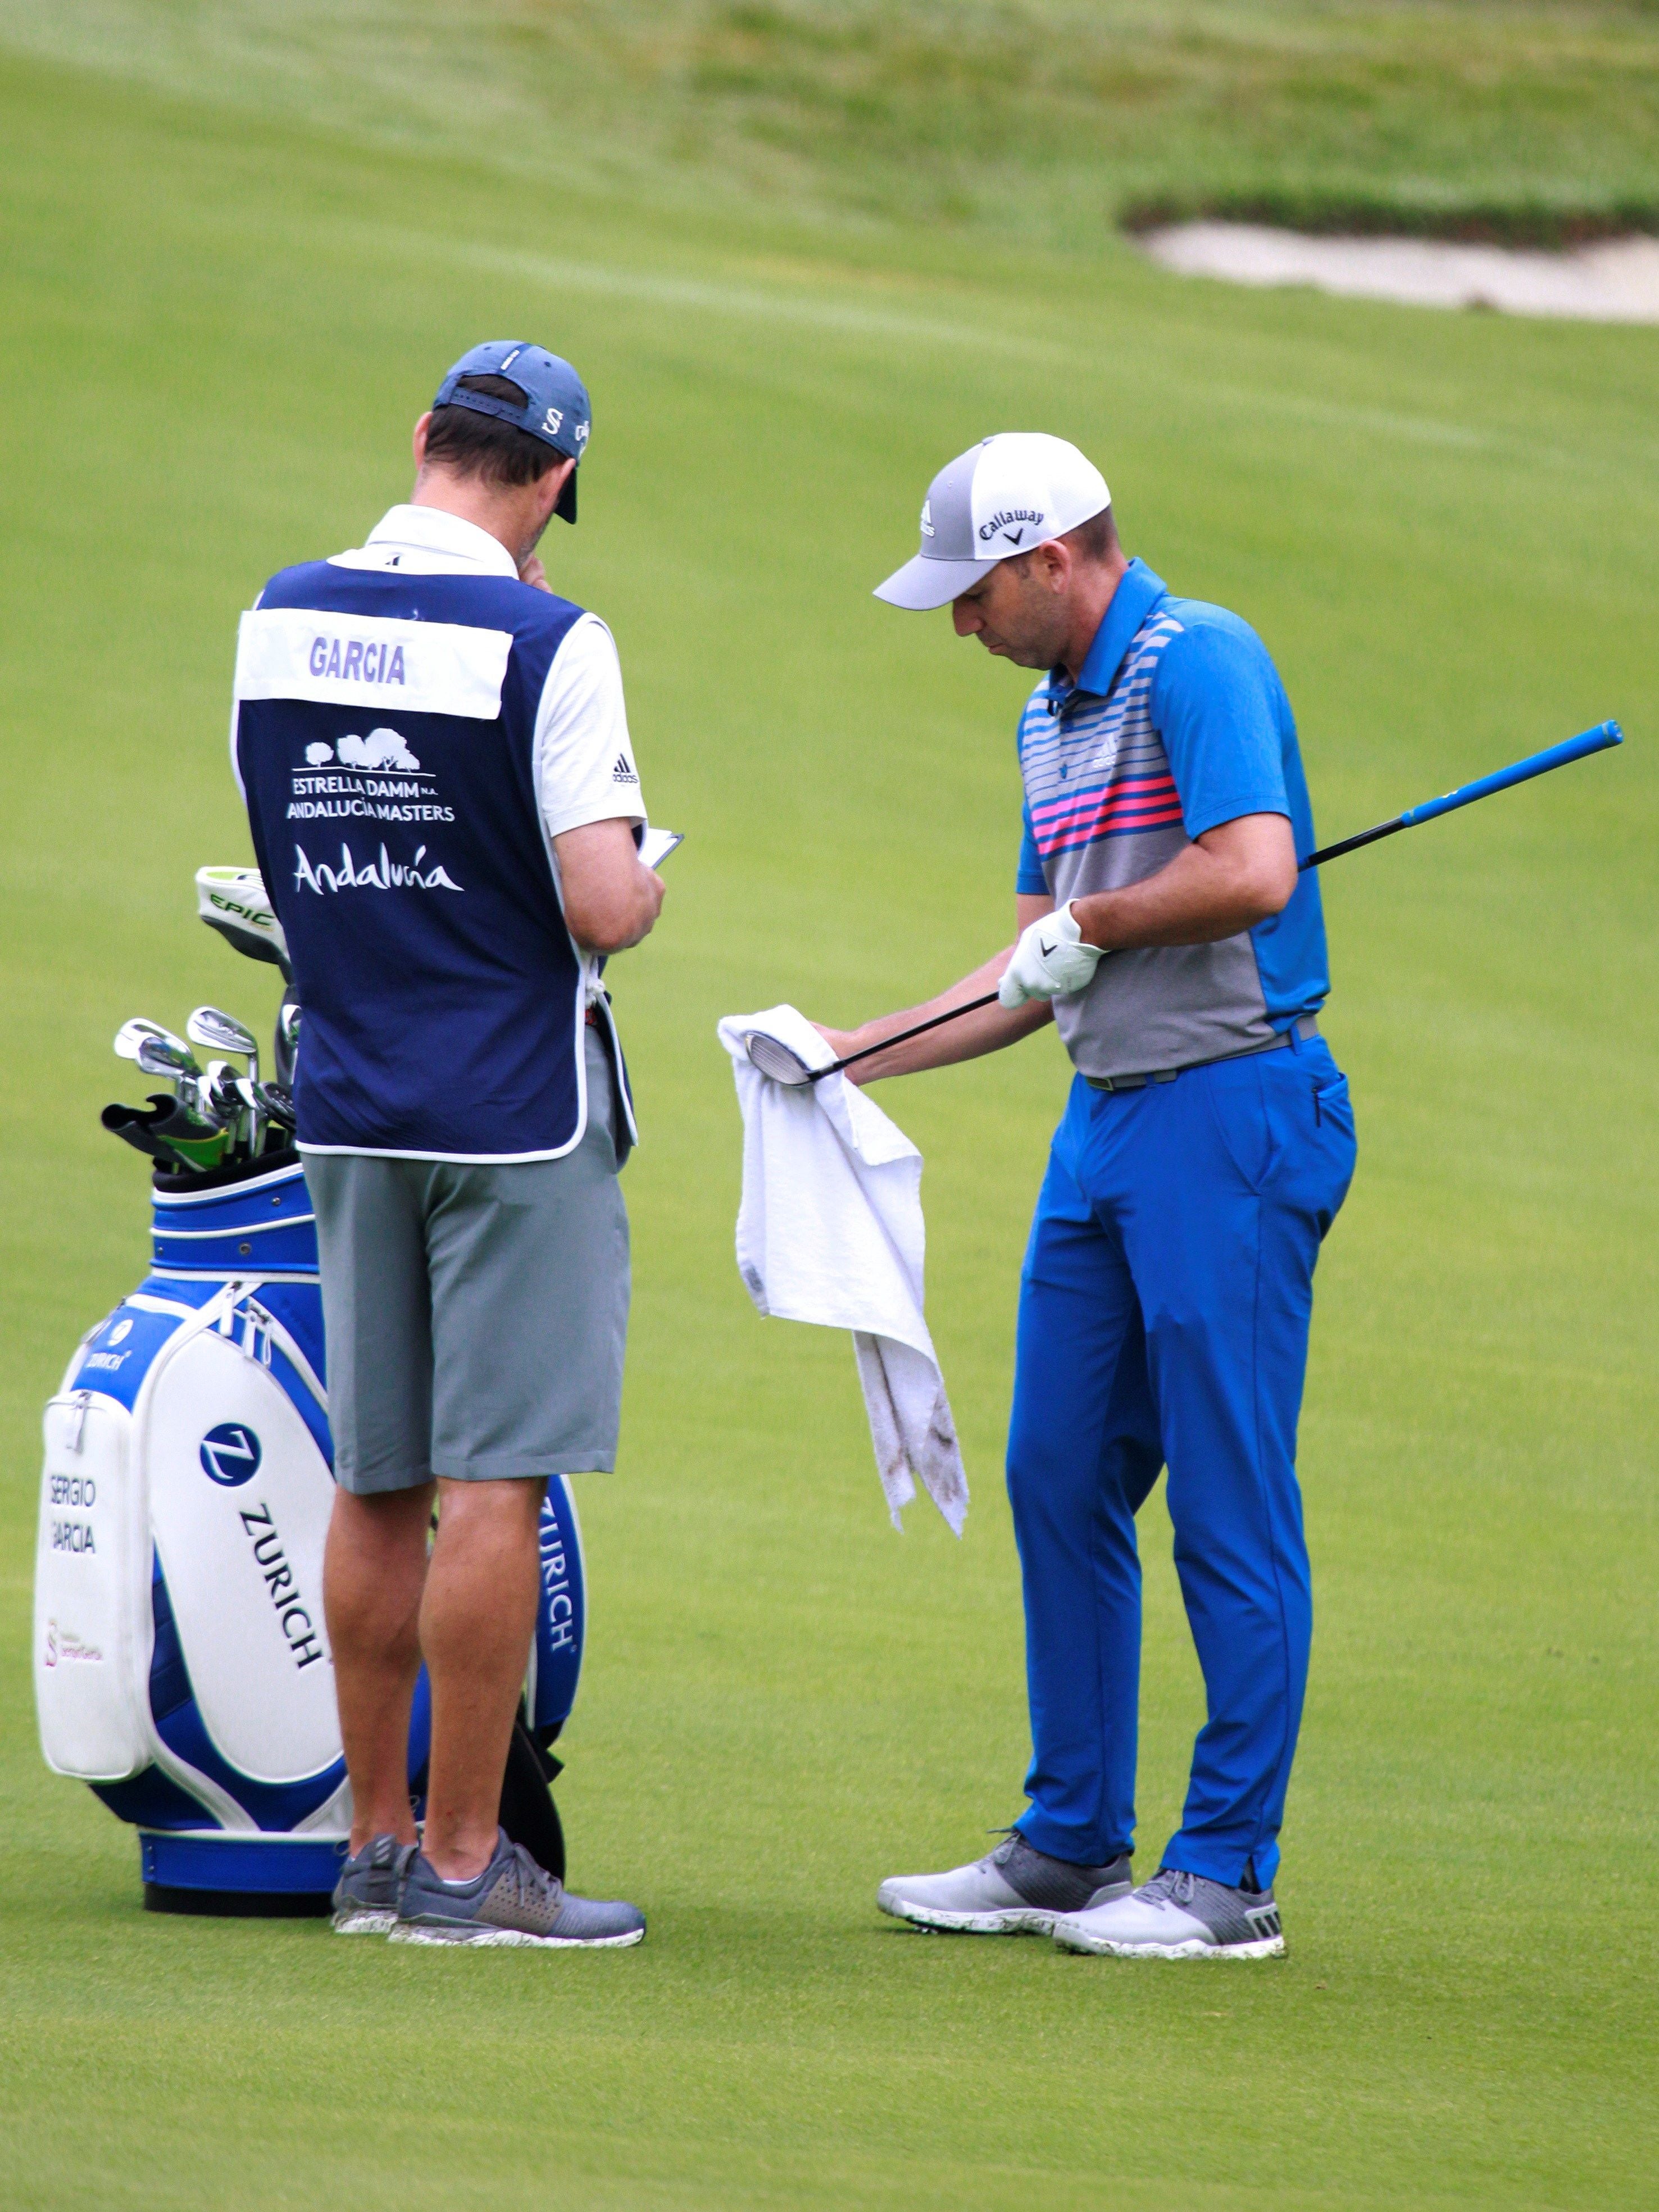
x=221 y=1032
x=277 y=1102
x=131 y=1037
x=166 y=1054
x=287 y=1040
x=253 y=1109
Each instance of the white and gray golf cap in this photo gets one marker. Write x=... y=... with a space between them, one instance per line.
x=996 y=500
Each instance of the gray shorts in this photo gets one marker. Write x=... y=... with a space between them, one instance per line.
x=475 y=1316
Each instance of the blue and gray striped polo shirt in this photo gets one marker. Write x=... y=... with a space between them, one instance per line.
x=1178 y=722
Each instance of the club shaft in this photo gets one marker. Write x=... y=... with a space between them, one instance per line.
x=904 y=1036
x=1521 y=771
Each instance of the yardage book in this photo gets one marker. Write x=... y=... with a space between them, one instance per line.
x=656 y=845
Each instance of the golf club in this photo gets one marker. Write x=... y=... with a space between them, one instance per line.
x=131 y=1035
x=165 y=1054
x=234 y=902
x=278 y=1103
x=287 y=1040
x=787 y=1067
x=1521 y=771
x=221 y=1032
x=248 y=1093
x=196 y=1096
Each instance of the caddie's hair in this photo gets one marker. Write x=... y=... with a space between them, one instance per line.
x=1096 y=539
x=469 y=444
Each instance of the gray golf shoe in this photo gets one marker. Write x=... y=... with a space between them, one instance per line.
x=367 y=1895
x=513 y=1901
x=1016 y=1891
x=1178 y=1915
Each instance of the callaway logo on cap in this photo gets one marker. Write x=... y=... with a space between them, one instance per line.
x=992 y=503
x=555 y=407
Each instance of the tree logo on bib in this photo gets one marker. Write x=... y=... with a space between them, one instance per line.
x=230 y=1454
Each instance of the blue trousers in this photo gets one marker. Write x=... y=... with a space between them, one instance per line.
x=1163 y=1320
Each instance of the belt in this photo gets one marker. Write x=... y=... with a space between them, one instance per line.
x=1306 y=1027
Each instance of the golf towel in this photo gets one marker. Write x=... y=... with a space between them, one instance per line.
x=830 y=1231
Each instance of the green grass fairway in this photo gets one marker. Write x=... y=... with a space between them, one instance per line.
x=217 y=327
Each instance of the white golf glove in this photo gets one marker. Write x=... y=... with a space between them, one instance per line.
x=1050 y=957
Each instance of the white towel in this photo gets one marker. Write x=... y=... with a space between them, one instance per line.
x=830 y=1231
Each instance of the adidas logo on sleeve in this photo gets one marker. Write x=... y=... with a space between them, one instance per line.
x=623 y=771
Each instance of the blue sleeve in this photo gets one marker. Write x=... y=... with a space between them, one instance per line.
x=1028 y=878
x=1218 y=704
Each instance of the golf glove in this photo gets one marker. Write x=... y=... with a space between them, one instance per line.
x=1050 y=957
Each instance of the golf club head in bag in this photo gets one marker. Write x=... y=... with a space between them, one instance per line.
x=216 y=1031
x=233 y=901
x=166 y=1055
x=169 y=1055
x=285 y=1044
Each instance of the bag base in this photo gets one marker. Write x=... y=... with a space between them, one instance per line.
x=279 y=1877
x=238 y=1904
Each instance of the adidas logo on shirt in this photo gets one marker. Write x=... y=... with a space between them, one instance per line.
x=623 y=771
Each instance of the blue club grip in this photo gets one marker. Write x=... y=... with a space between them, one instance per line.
x=1571 y=749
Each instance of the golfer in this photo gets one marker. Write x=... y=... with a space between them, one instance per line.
x=1206 y=1146
x=442 y=793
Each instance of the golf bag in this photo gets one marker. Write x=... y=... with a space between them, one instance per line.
x=182 y=1664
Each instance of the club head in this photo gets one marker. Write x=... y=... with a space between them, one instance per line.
x=130 y=1038
x=278 y=1103
x=778 y=1061
x=166 y=1055
x=233 y=900
x=221 y=1032
x=196 y=1094
x=132 y=1033
x=287 y=1041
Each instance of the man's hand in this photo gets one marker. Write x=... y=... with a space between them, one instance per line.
x=1050 y=959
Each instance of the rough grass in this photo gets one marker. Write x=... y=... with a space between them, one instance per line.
x=1046 y=119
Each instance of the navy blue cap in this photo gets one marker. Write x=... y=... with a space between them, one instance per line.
x=556 y=405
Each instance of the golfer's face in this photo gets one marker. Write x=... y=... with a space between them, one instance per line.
x=1009 y=617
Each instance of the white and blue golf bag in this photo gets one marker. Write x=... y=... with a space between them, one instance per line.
x=181 y=1662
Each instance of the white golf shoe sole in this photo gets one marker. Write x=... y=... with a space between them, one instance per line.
x=1265 y=1946
x=513 y=1939
x=364 y=1920
x=1025 y=1920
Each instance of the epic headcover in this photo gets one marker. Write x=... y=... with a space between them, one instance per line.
x=235 y=902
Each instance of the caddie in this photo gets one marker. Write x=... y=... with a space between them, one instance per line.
x=1206 y=1146
x=440 y=785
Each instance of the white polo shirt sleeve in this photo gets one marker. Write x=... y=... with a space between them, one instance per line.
x=584 y=758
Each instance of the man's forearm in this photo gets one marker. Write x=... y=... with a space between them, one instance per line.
x=987 y=1031
x=1232 y=879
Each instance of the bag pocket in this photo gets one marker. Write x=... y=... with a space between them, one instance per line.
x=91 y=1591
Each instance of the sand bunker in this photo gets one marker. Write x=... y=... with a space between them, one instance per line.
x=1614 y=282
